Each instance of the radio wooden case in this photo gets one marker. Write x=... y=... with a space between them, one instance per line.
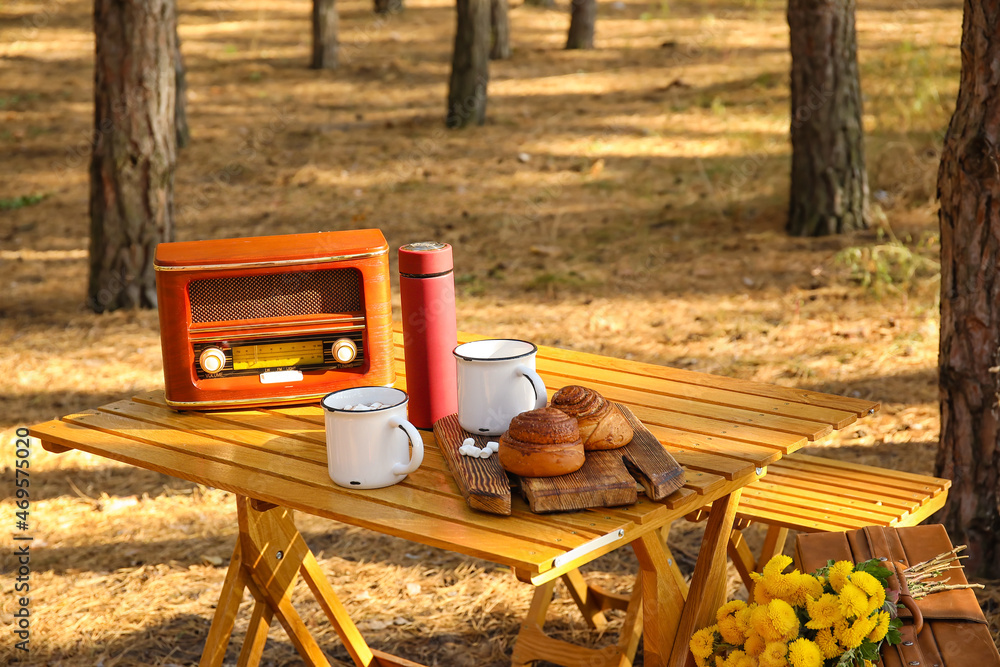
x=273 y=320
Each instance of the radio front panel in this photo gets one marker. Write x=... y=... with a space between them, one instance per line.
x=273 y=320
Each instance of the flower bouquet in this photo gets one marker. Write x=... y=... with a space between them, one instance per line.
x=838 y=616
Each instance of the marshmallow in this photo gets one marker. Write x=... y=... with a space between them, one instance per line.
x=485 y=453
x=493 y=445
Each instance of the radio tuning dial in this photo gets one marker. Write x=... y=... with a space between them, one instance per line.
x=212 y=360
x=344 y=350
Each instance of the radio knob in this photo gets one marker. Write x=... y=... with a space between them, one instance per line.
x=344 y=350
x=212 y=360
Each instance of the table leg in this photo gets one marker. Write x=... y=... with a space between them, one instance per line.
x=273 y=552
x=631 y=632
x=256 y=637
x=662 y=599
x=533 y=644
x=774 y=544
x=707 y=590
x=269 y=555
x=742 y=557
x=588 y=603
x=225 y=612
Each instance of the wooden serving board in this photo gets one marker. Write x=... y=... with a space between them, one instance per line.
x=607 y=478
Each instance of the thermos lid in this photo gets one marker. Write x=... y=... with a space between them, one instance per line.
x=427 y=258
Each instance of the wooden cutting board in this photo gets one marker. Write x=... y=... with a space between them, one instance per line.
x=607 y=478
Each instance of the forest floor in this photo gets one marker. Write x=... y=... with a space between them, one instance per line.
x=628 y=201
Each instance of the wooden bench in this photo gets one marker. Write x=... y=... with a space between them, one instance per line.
x=812 y=494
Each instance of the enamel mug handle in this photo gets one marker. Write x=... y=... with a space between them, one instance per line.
x=417 y=457
x=541 y=398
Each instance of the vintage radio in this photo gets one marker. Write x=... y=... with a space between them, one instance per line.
x=275 y=319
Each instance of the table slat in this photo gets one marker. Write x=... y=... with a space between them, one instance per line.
x=763 y=445
x=584 y=360
x=412 y=496
x=657 y=386
x=850 y=473
x=432 y=531
x=679 y=412
x=777 y=486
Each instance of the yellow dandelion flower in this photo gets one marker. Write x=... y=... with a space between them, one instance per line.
x=881 y=627
x=740 y=659
x=803 y=587
x=775 y=621
x=774 y=655
x=804 y=653
x=783 y=586
x=703 y=641
x=838 y=573
x=754 y=645
x=866 y=582
x=853 y=601
x=850 y=635
x=784 y=619
x=824 y=612
x=840 y=627
x=730 y=631
x=811 y=587
x=729 y=609
x=827 y=643
x=872 y=587
x=743 y=619
x=761 y=625
x=776 y=565
x=776 y=584
x=760 y=594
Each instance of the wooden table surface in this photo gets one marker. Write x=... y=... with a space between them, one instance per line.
x=723 y=431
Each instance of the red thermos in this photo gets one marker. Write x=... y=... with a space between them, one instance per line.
x=430 y=333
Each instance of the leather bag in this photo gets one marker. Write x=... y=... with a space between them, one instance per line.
x=946 y=629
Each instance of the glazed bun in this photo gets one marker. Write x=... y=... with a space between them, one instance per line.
x=602 y=426
x=542 y=443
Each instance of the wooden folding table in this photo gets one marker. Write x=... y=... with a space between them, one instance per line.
x=724 y=432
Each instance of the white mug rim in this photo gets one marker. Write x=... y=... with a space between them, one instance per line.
x=328 y=408
x=533 y=350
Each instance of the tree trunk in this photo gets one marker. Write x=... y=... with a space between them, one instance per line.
x=180 y=108
x=583 y=15
x=499 y=9
x=388 y=6
x=969 y=190
x=132 y=166
x=470 y=64
x=325 y=45
x=829 y=190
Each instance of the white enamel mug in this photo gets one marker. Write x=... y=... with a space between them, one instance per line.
x=370 y=448
x=496 y=382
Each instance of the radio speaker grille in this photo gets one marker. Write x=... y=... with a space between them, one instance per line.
x=267 y=296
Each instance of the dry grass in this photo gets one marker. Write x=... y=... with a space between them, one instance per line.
x=647 y=223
